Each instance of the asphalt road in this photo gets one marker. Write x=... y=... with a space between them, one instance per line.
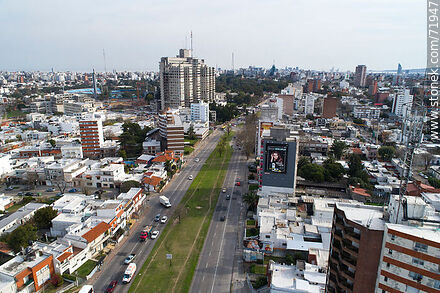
x=219 y=257
x=114 y=268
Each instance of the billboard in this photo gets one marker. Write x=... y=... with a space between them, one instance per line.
x=276 y=158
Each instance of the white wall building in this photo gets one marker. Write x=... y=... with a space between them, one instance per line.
x=401 y=102
x=200 y=112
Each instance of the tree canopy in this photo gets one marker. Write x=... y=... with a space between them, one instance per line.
x=386 y=153
x=338 y=147
x=125 y=186
x=132 y=137
x=43 y=217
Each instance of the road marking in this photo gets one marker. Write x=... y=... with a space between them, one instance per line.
x=223 y=237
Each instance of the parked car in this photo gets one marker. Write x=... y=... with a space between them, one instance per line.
x=111 y=287
x=154 y=234
x=190 y=177
x=157 y=218
x=29 y=194
x=10 y=188
x=224 y=190
x=59 y=194
x=50 y=190
x=129 y=258
x=222 y=218
x=20 y=194
x=164 y=219
x=73 y=190
x=228 y=196
x=197 y=160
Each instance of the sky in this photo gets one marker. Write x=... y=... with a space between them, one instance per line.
x=135 y=34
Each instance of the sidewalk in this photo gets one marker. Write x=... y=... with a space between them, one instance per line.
x=116 y=249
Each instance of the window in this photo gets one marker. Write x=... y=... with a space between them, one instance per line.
x=418 y=261
x=393 y=237
x=390 y=251
x=420 y=247
x=437 y=284
x=385 y=279
x=415 y=276
x=267 y=236
x=388 y=264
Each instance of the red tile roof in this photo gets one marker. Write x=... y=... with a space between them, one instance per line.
x=153 y=180
x=96 y=231
x=64 y=256
x=360 y=191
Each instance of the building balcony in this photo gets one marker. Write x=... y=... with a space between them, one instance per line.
x=351 y=250
x=347 y=274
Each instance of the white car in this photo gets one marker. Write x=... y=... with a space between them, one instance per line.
x=224 y=190
x=154 y=234
x=190 y=177
x=164 y=219
x=197 y=160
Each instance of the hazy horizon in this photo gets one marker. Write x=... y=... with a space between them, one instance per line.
x=317 y=35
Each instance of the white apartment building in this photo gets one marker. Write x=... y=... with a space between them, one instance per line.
x=105 y=176
x=401 y=102
x=309 y=104
x=64 y=170
x=5 y=164
x=72 y=152
x=184 y=80
x=72 y=108
x=409 y=260
x=200 y=112
x=367 y=112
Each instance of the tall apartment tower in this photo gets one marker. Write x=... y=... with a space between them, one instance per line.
x=401 y=102
x=410 y=259
x=185 y=80
x=360 y=76
x=171 y=131
x=92 y=137
x=355 y=248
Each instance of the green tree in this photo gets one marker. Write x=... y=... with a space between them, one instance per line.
x=43 y=217
x=125 y=186
x=434 y=182
x=52 y=142
x=191 y=133
x=303 y=161
x=310 y=117
x=338 y=148
x=333 y=171
x=123 y=154
x=20 y=237
x=386 y=152
x=354 y=165
x=312 y=172
x=251 y=199
x=358 y=121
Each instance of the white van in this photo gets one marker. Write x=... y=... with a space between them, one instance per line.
x=129 y=273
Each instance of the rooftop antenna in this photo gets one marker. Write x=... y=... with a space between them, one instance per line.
x=186 y=42
x=105 y=63
x=233 y=68
x=192 y=44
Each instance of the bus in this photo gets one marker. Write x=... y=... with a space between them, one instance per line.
x=86 y=289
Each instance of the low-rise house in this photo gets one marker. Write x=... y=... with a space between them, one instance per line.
x=21 y=216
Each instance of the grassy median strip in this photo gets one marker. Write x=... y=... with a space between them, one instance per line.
x=185 y=234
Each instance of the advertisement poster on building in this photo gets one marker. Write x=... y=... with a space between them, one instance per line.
x=276 y=158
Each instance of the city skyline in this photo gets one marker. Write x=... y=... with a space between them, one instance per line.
x=71 y=36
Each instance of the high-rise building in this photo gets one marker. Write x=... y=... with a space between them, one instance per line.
x=185 y=80
x=329 y=107
x=92 y=137
x=279 y=155
x=355 y=248
x=171 y=131
x=200 y=112
x=410 y=259
x=372 y=88
x=309 y=104
x=360 y=76
x=401 y=102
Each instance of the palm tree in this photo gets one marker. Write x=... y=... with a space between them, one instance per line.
x=251 y=198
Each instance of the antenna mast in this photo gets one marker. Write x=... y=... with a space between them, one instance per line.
x=191 y=37
x=105 y=63
x=233 y=65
